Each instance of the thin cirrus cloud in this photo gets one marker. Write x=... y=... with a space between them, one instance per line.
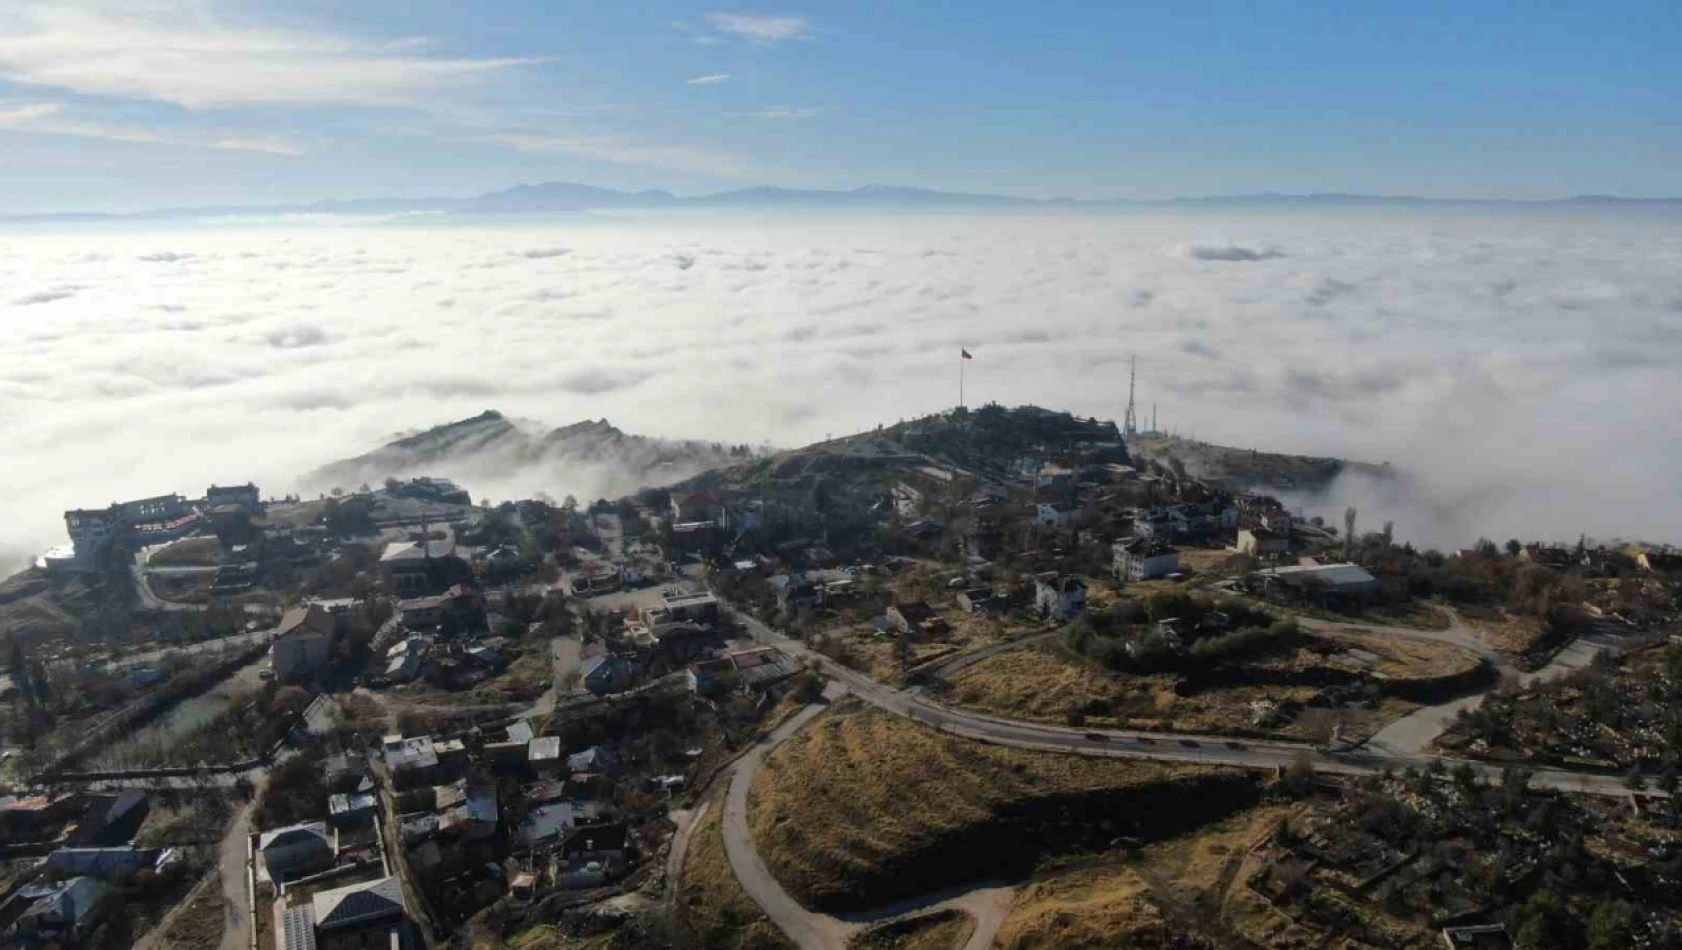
x=49 y=118
x=780 y=113
x=763 y=29
x=708 y=80
x=174 y=52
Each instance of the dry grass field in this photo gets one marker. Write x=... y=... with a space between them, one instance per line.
x=1044 y=684
x=1176 y=893
x=712 y=908
x=862 y=808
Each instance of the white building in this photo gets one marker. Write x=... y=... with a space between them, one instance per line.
x=1059 y=595
x=1141 y=559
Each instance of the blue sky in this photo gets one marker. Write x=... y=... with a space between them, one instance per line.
x=124 y=104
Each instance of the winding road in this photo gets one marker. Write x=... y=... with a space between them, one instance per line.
x=990 y=904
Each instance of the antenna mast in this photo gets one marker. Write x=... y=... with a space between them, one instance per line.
x=1130 y=423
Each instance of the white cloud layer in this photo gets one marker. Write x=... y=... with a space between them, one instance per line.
x=1523 y=368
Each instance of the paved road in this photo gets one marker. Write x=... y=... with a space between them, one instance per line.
x=230 y=865
x=809 y=931
x=1170 y=747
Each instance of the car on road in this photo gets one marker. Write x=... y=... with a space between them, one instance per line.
x=1146 y=740
x=1097 y=737
x=1234 y=745
x=1189 y=743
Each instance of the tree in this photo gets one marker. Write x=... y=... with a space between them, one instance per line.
x=1612 y=926
x=1349 y=531
x=1514 y=547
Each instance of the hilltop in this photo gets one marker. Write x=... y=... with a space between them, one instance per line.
x=590 y=458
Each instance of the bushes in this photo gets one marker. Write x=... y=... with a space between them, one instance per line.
x=1245 y=642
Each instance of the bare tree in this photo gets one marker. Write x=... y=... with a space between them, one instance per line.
x=1349 y=531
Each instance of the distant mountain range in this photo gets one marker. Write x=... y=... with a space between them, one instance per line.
x=560 y=196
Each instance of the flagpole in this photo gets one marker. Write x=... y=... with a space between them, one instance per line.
x=960 y=379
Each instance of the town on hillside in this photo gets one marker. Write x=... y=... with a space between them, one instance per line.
x=995 y=653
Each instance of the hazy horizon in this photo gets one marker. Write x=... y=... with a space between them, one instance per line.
x=1513 y=365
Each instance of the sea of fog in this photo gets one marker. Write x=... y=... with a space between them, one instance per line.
x=1524 y=369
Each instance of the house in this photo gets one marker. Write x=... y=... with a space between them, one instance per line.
x=358 y=907
x=113 y=865
x=1141 y=559
x=1059 y=595
x=1277 y=520
x=545 y=824
x=1164 y=523
x=762 y=667
x=422 y=613
x=303 y=642
x=412 y=568
x=1261 y=542
x=520 y=731
x=112 y=819
x=908 y=618
x=712 y=676
x=296 y=850
x=63 y=912
x=347 y=772
x=1056 y=514
x=699 y=606
x=351 y=810
x=412 y=762
x=605 y=675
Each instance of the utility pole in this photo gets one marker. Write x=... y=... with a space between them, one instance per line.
x=1130 y=423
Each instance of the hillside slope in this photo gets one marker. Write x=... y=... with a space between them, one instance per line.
x=491 y=454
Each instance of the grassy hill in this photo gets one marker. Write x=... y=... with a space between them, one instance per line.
x=863 y=808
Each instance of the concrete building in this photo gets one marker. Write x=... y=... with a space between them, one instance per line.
x=411 y=568
x=1142 y=559
x=412 y=762
x=240 y=496
x=303 y=642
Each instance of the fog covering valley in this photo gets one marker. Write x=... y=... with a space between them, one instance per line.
x=1520 y=370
